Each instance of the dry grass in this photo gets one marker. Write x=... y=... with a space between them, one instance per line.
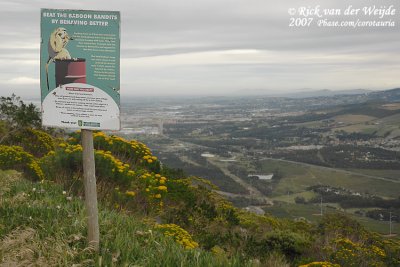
x=23 y=247
x=276 y=260
x=18 y=249
x=7 y=179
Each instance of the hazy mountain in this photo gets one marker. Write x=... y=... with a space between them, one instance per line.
x=392 y=95
x=305 y=93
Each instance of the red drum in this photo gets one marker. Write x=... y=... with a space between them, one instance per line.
x=70 y=71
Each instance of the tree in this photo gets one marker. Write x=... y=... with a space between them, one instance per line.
x=300 y=200
x=16 y=115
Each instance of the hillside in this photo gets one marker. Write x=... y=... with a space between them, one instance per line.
x=43 y=225
x=150 y=215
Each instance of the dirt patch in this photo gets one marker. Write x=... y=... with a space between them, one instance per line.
x=391 y=106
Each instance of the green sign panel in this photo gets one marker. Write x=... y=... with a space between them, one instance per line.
x=80 y=69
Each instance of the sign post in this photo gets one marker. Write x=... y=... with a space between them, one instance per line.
x=80 y=81
x=89 y=181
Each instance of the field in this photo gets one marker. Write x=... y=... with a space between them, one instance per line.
x=386 y=126
x=297 y=177
x=390 y=174
x=359 y=128
x=353 y=118
x=311 y=212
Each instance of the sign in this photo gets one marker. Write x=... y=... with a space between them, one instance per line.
x=80 y=69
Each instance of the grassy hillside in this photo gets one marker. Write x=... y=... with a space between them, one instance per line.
x=42 y=225
x=44 y=222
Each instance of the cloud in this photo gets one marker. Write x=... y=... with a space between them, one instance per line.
x=23 y=81
x=219 y=46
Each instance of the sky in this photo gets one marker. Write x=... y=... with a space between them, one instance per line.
x=219 y=47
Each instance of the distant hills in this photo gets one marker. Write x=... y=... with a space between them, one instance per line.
x=392 y=95
x=326 y=93
x=387 y=95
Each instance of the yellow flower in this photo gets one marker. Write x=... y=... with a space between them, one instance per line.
x=150 y=161
x=130 y=193
x=180 y=235
x=157 y=196
x=162 y=188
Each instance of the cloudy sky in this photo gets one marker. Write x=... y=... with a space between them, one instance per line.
x=217 y=47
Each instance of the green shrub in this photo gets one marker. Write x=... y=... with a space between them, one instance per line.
x=290 y=244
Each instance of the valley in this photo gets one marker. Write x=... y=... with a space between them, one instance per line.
x=347 y=143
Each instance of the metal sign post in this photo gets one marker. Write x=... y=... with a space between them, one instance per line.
x=89 y=180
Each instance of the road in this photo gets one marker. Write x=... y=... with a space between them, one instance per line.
x=253 y=191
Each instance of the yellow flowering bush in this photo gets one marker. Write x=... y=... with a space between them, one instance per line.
x=67 y=157
x=110 y=167
x=154 y=185
x=14 y=157
x=348 y=243
x=133 y=152
x=349 y=253
x=147 y=186
x=179 y=234
x=136 y=183
x=392 y=251
x=36 y=142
